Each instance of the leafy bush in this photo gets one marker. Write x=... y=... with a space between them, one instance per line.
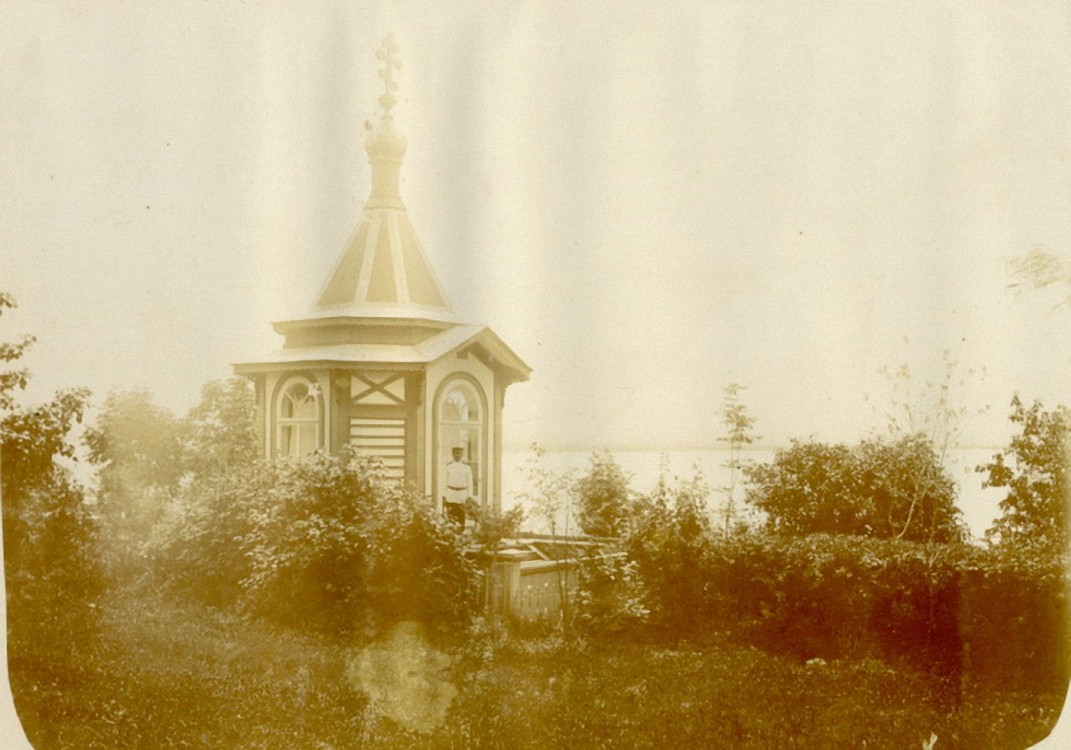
x=52 y=577
x=603 y=497
x=838 y=597
x=611 y=597
x=885 y=489
x=197 y=547
x=1034 y=468
x=994 y=615
x=669 y=543
x=325 y=545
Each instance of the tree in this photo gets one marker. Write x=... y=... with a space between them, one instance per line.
x=146 y=453
x=219 y=432
x=807 y=488
x=603 y=497
x=137 y=443
x=1034 y=470
x=12 y=381
x=927 y=412
x=889 y=489
x=139 y=448
x=50 y=532
x=738 y=434
x=928 y=408
x=911 y=495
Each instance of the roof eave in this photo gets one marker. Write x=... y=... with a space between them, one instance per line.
x=254 y=368
x=503 y=358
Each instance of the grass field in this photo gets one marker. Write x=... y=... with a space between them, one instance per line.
x=164 y=674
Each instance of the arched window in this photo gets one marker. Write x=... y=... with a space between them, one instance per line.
x=461 y=426
x=297 y=418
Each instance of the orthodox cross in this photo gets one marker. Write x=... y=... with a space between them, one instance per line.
x=387 y=54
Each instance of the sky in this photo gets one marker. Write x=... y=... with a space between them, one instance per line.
x=646 y=201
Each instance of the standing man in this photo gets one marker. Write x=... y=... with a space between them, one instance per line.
x=458 y=488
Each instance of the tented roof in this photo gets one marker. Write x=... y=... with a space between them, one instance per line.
x=383 y=279
x=383 y=270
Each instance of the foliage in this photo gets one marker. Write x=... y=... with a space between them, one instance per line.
x=738 y=433
x=220 y=433
x=493 y=526
x=670 y=539
x=136 y=442
x=49 y=531
x=140 y=445
x=880 y=488
x=838 y=597
x=324 y=545
x=196 y=547
x=138 y=448
x=145 y=453
x=551 y=497
x=14 y=380
x=611 y=596
x=963 y=612
x=1034 y=468
x=862 y=591
x=177 y=675
x=928 y=408
x=603 y=497
x=50 y=537
x=35 y=438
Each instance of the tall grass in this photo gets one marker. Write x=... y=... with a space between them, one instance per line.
x=165 y=674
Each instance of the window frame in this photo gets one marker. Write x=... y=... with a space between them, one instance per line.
x=481 y=424
x=313 y=389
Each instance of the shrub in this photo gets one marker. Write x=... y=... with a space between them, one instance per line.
x=964 y=613
x=325 y=545
x=603 y=497
x=885 y=489
x=669 y=543
x=197 y=547
x=611 y=597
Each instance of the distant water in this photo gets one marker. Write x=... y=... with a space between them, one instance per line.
x=980 y=506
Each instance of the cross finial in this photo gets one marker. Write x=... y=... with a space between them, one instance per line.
x=387 y=54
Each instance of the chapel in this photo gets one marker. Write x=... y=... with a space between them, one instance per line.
x=380 y=362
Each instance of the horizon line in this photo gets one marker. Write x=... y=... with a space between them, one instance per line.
x=681 y=447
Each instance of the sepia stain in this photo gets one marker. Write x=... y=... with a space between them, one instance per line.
x=405 y=678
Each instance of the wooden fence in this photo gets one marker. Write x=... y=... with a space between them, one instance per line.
x=531 y=578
